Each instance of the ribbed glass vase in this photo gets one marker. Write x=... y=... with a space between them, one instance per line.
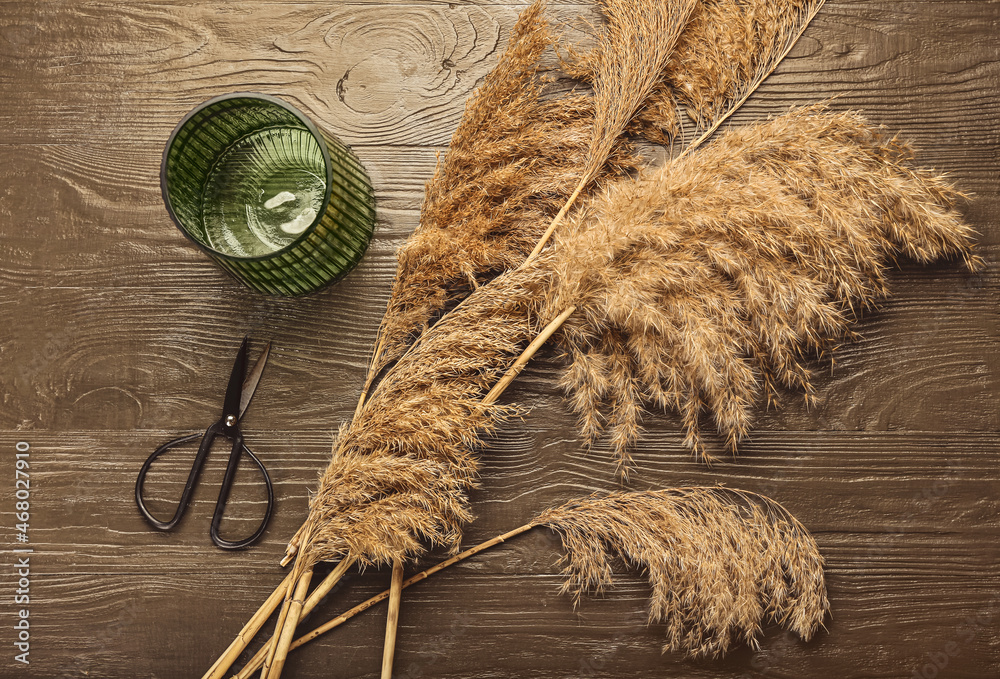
x=283 y=206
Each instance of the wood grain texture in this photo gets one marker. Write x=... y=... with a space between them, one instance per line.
x=116 y=335
x=896 y=567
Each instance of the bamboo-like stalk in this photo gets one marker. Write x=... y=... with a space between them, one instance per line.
x=257 y=661
x=392 y=619
x=328 y=583
x=557 y=219
x=301 y=571
x=282 y=616
x=526 y=355
x=245 y=635
x=315 y=597
x=285 y=631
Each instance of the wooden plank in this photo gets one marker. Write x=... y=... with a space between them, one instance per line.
x=886 y=485
x=113 y=228
x=170 y=367
x=430 y=57
x=427 y=60
x=472 y=625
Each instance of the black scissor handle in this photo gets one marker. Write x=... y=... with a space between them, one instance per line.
x=227 y=484
x=206 y=445
x=199 y=462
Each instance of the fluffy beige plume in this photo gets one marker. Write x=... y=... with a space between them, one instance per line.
x=720 y=562
x=514 y=159
x=400 y=471
x=628 y=64
x=703 y=284
x=519 y=155
x=727 y=50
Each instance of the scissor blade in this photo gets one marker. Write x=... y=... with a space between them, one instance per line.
x=250 y=384
x=234 y=391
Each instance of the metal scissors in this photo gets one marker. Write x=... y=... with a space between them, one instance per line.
x=238 y=394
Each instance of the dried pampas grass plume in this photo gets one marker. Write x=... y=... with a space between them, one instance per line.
x=628 y=63
x=518 y=156
x=401 y=470
x=707 y=283
x=720 y=562
x=512 y=162
x=727 y=50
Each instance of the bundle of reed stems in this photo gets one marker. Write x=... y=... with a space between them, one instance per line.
x=702 y=285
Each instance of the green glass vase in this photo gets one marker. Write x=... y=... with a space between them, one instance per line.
x=280 y=204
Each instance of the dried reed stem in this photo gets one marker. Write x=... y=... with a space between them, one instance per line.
x=719 y=561
x=526 y=355
x=284 y=634
x=245 y=635
x=392 y=619
x=315 y=597
x=327 y=585
x=280 y=623
x=556 y=221
x=256 y=662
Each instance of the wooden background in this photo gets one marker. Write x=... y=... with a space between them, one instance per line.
x=117 y=334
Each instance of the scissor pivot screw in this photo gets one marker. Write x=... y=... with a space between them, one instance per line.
x=230 y=420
